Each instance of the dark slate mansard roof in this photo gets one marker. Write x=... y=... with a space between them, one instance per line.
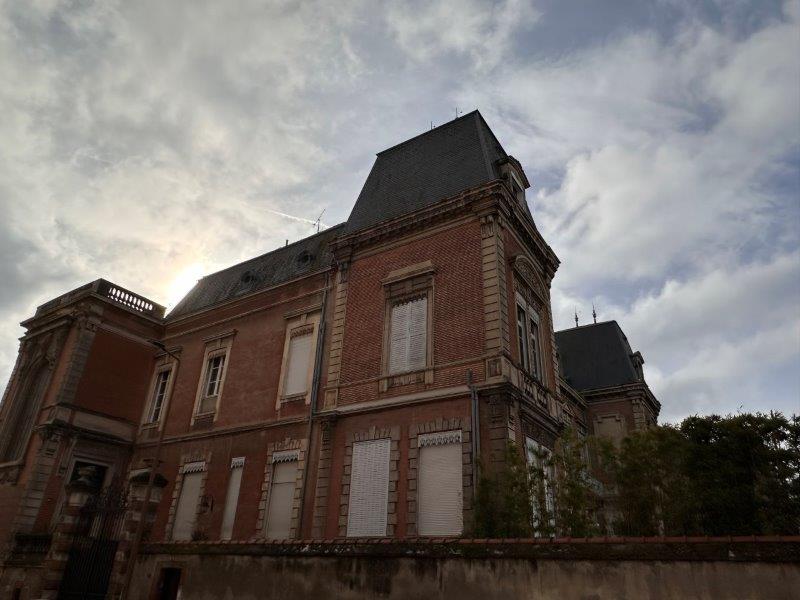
x=281 y=265
x=596 y=356
x=430 y=167
x=412 y=175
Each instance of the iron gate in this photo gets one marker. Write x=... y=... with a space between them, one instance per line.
x=94 y=546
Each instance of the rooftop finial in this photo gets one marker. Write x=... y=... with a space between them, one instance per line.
x=576 y=317
x=594 y=314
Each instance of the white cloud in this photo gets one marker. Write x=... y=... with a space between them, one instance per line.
x=149 y=142
x=481 y=31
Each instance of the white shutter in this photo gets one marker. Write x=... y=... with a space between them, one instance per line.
x=418 y=333
x=297 y=365
x=398 y=348
x=440 y=509
x=369 y=489
x=186 y=511
x=281 y=497
x=231 y=501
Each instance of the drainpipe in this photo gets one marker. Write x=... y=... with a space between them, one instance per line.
x=476 y=433
x=314 y=396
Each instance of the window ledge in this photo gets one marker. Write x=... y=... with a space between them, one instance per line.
x=424 y=375
x=294 y=398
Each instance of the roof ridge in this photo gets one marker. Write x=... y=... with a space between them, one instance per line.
x=260 y=256
x=424 y=133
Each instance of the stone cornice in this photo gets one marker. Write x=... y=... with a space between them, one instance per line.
x=609 y=393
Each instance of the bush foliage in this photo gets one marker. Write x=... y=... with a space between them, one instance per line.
x=712 y=475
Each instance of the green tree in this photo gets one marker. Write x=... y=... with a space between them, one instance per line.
x=502 y=507
x=711 y=475
x=575 y=495
x=744 y=470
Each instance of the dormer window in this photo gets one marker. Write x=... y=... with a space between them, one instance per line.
x=518 y=188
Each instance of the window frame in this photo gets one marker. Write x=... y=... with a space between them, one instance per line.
x=518 y=188
x=302 y=324
x=164 y=366
x=278 y=458
x=407 y=301
x=401 y=286
x=219 y=346
x=237 y=466
x=531 y=362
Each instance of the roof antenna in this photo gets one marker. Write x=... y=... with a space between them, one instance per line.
x=594 y=314
x=318 y=222
x=431 y=125
x=576 y=317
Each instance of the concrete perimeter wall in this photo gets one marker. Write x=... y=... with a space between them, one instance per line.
x=477 y=569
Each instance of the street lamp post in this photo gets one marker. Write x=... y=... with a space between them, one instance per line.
x=137 y=538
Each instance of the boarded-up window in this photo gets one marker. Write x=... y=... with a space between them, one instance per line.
x=409 y=336
x=297 y=365
x=232 y=498
x=186 y=511
x=369 y=489
x=281 y=499
x=440 y=509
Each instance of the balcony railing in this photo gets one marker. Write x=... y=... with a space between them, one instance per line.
x=127 y=298
x=112 y=292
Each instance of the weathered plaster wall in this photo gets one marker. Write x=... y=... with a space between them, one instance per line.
x=476 y=570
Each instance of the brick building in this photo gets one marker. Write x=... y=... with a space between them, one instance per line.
x=340 y=386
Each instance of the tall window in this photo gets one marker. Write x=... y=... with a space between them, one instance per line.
x=281 y=496
x=213 y=378
x=299 y=351
x=298 y=364
x=408 y=347
x=159 y=396
x=369 y=489
x=188 y=501
x=440 y=506
x=232 y=498
x=539 y=458
x=522 y=337
x=528 y=339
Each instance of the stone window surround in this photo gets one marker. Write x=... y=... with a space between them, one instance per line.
x=532 y=312
x=438 y=426
x=300 y=446
x=186 y=458
x=401 y=285
x=218 y=345
x=67 y=466
x=373 y=433
x=164 y=363
x=298 y=323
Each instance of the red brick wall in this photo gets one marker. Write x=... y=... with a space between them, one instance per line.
x=458 y=322
x=115 y=379
x=221 y=449
x=253 y=367
x=404 y=417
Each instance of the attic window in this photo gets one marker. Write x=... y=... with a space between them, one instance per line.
x=304 y=258
x=519 y=189
x=248 y=277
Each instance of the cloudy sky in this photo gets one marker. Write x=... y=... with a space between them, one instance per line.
x=152 y=142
